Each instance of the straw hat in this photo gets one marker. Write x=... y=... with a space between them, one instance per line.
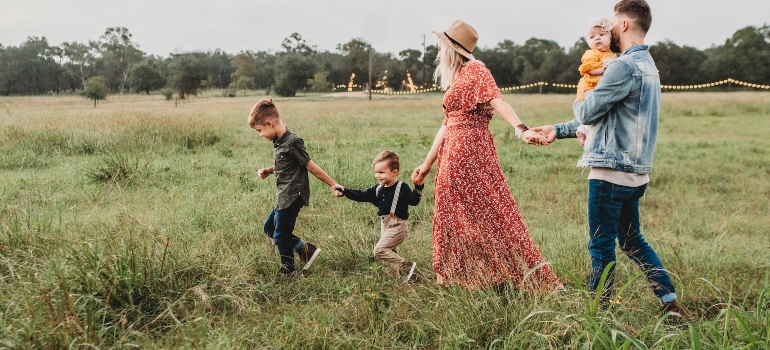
x=461 y=36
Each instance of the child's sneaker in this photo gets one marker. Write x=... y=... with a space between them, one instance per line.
x=409 y=265
x=307 y=254
x=288 y=271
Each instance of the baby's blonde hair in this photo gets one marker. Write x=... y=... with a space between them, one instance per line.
x=602 y=22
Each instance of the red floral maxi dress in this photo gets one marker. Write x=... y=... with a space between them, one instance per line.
x=479 y=236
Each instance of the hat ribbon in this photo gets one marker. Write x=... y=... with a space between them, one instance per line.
x=456 y=43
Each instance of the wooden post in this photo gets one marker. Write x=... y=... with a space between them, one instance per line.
x=370 y=71
x=423 y=61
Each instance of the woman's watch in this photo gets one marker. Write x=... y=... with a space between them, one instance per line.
x=520 y=129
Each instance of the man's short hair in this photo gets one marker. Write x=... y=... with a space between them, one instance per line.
x=263 y=111
x=390 y=157
x=636 y=10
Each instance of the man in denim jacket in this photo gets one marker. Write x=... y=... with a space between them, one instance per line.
x=624 y=110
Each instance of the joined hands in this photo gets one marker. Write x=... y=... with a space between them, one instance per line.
x=548 y=132
x=420 y=173
x=337 y=190
x=535 y=137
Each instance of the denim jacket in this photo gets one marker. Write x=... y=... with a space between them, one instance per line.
x=623 y=108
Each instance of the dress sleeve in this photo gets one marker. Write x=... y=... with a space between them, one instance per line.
x=591 y=60
x=484 y=86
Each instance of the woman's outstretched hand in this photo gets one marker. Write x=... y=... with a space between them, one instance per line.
x=533 y=137
x=420 y=173
x=548 y=130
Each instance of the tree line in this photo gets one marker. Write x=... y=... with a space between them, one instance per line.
x=36 y=67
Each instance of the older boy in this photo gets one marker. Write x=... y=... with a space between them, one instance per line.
x=291 y=166
x=392 y=198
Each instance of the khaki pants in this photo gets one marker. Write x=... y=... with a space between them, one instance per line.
x=392 y=233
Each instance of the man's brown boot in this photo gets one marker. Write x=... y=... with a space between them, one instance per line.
x=676 y=307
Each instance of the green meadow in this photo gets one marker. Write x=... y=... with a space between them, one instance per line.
x=138 y=224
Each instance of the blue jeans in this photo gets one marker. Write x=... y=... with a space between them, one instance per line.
x=613 y=213
x=280 y=227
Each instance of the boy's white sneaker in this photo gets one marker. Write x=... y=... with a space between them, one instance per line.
x=307 y=254
x=410 y=265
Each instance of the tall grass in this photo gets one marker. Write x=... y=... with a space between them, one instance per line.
x=138 y=224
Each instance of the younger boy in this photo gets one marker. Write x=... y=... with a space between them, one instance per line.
x=291 y=165
x=393 y=198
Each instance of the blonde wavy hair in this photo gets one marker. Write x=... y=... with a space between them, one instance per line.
x=448 y=64
x=602 y=22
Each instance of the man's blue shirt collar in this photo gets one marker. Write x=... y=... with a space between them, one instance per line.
x=635 y=48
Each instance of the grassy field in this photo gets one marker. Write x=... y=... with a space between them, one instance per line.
x=138 y=224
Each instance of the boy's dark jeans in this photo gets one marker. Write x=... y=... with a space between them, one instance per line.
x=280 y=227
x=613 y=213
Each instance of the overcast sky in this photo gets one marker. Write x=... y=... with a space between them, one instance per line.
x=164 y=26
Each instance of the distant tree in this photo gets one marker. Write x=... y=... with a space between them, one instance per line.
x=503 y=61
x=147 y=75
x=570 y=73
x=295 y=44
x=245 y=69
x=334 y=66
x=217 y=64
x=96 y=89
x=540 y=57
x=119 y=54
x=319 y=83
x=187 y=73
x=678 y=65
x=356 y=53
x=741 y=53
x=555 y=63
x=264 y=76
x=30 y=68
x=396 y=70
x=412 y=63
x=294 y=66
x=292 y=72
x=80 y=59
x=61 y=78
x=429 y=62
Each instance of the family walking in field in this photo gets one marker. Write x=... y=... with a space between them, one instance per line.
x=479 y=237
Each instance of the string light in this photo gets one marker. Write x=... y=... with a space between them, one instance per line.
x=716 y=83
x=573 y=86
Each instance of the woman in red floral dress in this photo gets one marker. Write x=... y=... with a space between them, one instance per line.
x=479 y=236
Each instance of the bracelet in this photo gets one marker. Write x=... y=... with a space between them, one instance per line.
x=520 y=129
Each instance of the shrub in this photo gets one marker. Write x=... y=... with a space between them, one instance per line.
x=168 y=93
x=96 y=89
x=117 y=168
